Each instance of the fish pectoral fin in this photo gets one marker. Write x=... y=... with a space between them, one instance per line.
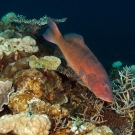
x=90 y=79
x=82 y=73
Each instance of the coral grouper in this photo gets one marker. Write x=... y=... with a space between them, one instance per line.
x=82 y=61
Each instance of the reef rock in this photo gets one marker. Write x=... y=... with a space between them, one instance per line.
x=5 y=91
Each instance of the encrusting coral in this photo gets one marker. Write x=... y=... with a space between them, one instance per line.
x=7 y=34
x=5 y=91
x=54 y=112
x=28 y=84
x=11 y=46
x=47 y=62
x=25 y=124
x=119 y=125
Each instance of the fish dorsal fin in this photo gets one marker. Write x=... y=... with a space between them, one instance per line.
x=52 y=33
x=75 y=38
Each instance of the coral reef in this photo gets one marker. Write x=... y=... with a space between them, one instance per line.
x=40 y=94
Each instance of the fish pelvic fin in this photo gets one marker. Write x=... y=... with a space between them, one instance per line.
x=52 y=34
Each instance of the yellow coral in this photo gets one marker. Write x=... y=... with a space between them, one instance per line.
x=35 y=88
x=19 y=102
x=53 y=82
x=53 y=111
x=47 y=62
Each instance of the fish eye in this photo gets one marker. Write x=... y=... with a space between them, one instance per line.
x=104 y=85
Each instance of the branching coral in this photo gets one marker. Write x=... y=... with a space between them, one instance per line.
x=33 y=24
x=124 y=92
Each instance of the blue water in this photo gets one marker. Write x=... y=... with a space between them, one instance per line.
x=108 y=26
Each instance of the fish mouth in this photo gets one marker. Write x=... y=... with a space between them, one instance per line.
x=107 y=98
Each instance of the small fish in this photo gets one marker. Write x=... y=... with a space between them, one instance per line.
x=82 y=61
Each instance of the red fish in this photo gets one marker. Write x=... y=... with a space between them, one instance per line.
x=82 y=61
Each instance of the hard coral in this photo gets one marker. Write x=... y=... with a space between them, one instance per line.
x=10 y=46
x=33 y=25
x=54 y=112
x=28 y=84
x=8 y=34
x=124 y=92
x=53 y=84
x=25 y=80
x=11 y=69
x=8 y=17
x=19 y=102
x=5 y=91
x=119 y=125
x=4 y=26
x=24 y=124
x=47 y=62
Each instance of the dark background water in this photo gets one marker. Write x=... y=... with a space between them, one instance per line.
x=108 y=26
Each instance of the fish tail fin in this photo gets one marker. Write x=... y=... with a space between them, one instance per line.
x=52 y=34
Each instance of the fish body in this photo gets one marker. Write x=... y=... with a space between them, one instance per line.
x=82 y=61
